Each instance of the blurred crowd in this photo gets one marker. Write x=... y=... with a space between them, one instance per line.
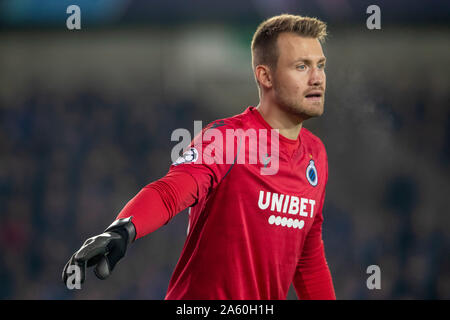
x=69 y=164
x=71 y=160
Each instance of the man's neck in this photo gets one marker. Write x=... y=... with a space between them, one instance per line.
x=288 y=125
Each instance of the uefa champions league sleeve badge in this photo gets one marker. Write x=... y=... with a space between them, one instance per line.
x=190 y=155
x=311 y=173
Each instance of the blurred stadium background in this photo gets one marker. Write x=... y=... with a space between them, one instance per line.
x=86 y=118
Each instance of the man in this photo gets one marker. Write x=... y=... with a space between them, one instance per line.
x=250 y=234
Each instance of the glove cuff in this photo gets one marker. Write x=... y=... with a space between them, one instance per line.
x=125 y=228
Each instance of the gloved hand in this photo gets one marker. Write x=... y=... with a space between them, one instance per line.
x=103 y=251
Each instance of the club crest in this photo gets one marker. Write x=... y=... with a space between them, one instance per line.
x=311 y=173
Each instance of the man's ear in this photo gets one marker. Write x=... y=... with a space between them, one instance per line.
x=263 y=76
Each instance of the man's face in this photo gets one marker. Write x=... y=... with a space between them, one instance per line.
x=299 y=78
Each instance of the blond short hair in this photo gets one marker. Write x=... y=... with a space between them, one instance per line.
x=264 y=42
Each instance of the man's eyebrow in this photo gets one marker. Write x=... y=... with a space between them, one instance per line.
x=307 y=60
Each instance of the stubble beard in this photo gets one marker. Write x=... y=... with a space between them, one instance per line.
x=296 y=107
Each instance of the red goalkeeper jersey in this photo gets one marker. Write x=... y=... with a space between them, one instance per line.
x=256 y=226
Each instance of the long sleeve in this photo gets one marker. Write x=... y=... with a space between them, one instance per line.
x=312 y=280
x=160 y=201
x=187 y=182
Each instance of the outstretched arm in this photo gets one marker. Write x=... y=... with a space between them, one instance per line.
x=186 y=183
x=160 y=201
x=150 y=209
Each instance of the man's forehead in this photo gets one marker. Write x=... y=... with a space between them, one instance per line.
x=293 y=47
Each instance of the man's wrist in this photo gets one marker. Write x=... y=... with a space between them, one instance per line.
x=125 y=228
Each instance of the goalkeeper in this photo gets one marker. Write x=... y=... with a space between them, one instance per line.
x=250 y=235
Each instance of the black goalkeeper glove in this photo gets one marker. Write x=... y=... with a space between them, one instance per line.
x=102 y=251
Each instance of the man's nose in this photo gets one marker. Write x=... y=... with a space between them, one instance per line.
x=316 y=77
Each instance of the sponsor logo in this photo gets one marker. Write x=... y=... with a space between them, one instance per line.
x=296 y=208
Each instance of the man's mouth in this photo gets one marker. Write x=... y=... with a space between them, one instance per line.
x=314 y=96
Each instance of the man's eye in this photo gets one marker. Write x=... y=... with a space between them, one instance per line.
x=321 y=65
x=301 y=67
